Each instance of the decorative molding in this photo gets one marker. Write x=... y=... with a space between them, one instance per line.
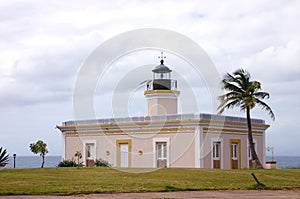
x=230 y=130
x=190 y=121
x=175 y=92
x=131 y=131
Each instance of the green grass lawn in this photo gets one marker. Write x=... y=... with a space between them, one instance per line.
x=100 y=180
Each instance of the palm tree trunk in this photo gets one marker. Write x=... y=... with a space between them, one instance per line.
x=43 y=161
x=257 y=163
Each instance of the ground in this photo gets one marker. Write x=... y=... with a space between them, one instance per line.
x=295 y=193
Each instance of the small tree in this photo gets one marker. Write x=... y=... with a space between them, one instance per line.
x=41 y=148
x=3 y=157
x=79 y=156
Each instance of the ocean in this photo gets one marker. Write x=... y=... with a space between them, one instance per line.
x=34 y=161
x=285 y=161
x=52 y=161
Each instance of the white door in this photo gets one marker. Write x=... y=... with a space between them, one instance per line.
x=123 y=154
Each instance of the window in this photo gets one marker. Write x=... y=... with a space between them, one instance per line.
x=216 y=150
x=234 y=151
x=161 y=148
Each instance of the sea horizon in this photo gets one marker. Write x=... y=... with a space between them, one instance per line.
x=51 y=161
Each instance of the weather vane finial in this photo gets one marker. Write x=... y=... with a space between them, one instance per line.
x=162 y=57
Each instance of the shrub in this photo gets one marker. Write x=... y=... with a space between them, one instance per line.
x=102 y=163
x=69 y=163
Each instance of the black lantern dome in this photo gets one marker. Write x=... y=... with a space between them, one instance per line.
x=161 y=68
x=162 y=76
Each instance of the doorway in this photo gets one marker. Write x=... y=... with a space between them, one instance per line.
x=235 y=153
x=161 y=154
x=216 y=155
x=89 y=154
x=123 y=153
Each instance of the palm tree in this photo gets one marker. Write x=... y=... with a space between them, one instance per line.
x=3 y=157
x=245 y=94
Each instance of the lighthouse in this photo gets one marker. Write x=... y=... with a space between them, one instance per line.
x=164 y=138
x=161 y=92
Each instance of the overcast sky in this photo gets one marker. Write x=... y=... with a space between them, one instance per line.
x=43 y=44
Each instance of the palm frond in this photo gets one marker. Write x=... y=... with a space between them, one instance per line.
x=266 y=107
x=228 y=104
x=234 y=80
x=242 y=73
x=242 y=78
x=231 y=95
x=262 y=95
x=3 y=157
x=231 y=86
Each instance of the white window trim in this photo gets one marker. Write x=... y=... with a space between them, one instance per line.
x=154 y=141
x=221 y=152
x=94 y=152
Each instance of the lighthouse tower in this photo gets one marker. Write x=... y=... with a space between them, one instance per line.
x=161 y=93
